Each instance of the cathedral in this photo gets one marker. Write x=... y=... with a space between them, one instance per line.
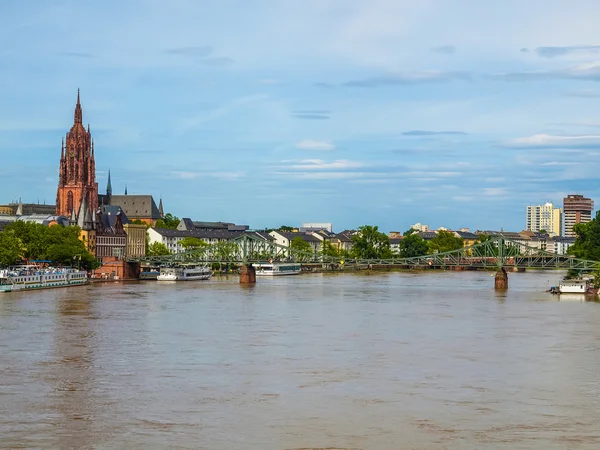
x=77 y=171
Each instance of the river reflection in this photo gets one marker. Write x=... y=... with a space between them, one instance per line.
x=369 y=361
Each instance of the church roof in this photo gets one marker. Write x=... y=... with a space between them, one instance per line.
x=136 y=206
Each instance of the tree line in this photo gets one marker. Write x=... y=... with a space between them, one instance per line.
x=32 y=241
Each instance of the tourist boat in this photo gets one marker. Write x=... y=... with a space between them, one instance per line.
x=276 y=269
x=27 y=277
x=184 y=273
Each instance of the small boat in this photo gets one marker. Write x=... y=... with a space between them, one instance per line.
x=184 y=273
x=28 y=277
x=276 y=269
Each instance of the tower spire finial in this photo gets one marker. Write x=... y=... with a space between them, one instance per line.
x=78 y=113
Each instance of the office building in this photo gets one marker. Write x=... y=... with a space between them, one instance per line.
x=578 y=209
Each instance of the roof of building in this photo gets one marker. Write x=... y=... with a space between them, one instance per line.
x=467 y=235
x=137 y=206
x=427 y=235
x=289 y=235
x=189 y=224
x=344 y=236
x=210 y=234
x=109 y=215
x=43 y=219
x=33 y=208
x=566 y=240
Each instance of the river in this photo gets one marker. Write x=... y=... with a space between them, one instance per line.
x=353 y=361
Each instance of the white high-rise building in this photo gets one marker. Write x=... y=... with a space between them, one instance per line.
x=545 y=217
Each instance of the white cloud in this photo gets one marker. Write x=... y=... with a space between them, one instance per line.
x=226 y=175
x=309 y=144
x=185 y=175
x=319 y=164
x=550 y=141
x=494 y=192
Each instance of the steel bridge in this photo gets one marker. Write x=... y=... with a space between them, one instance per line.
x=494 y=253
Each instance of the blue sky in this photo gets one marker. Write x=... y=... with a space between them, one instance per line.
x=388 y=112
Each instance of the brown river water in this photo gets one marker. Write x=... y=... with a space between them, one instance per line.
x=352 y=361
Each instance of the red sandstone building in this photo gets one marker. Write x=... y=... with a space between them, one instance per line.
x=77 y=171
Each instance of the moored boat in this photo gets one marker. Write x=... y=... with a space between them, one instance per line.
x=576 y=286
x=149 y=273
x=27 y=277
x=277 y=269
x=184 y=273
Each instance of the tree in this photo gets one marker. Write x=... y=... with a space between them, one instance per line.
x=413 y=245
x=139 y=222
x=300 y=244
x=169 y=221
x=445 y=241
x=11 y=248
x=285 y=228
x=192 y=243
x=409 y=232
x=61 y=245
x=370 y=243
x=158 y=249
x=587 y=244
x=328 y=249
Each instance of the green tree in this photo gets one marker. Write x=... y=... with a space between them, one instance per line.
x=139 y=222
x=328 y=249
x=370 y=243
x=286 y=228
x=157 y=249
x=169 y=221
x=445 y=241
x=192 y=243
x=587 y=244
x=61 y=245
x=11 y=248
x=409 y=232
x=301 y=245
x=413 y=245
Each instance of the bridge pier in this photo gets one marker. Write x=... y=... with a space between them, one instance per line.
x=247 y=274
x=501 y=280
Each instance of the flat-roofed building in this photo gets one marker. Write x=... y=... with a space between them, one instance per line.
x=544 y=217
x=578 y=209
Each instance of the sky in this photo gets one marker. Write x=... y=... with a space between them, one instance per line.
x=383 y=112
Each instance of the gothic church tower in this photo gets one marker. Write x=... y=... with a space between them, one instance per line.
x=77 y=171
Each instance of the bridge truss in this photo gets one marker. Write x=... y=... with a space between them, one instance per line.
x=495 y=252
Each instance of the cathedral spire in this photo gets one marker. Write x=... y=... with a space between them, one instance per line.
x=109 y=186
x=78 y=113
x=125 y=189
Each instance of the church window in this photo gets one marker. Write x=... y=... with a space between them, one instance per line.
x=70 y=202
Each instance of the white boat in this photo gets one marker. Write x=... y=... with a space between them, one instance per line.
x=27 y=277
x=184 y=273
x=276 y=269
x=577 y=286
